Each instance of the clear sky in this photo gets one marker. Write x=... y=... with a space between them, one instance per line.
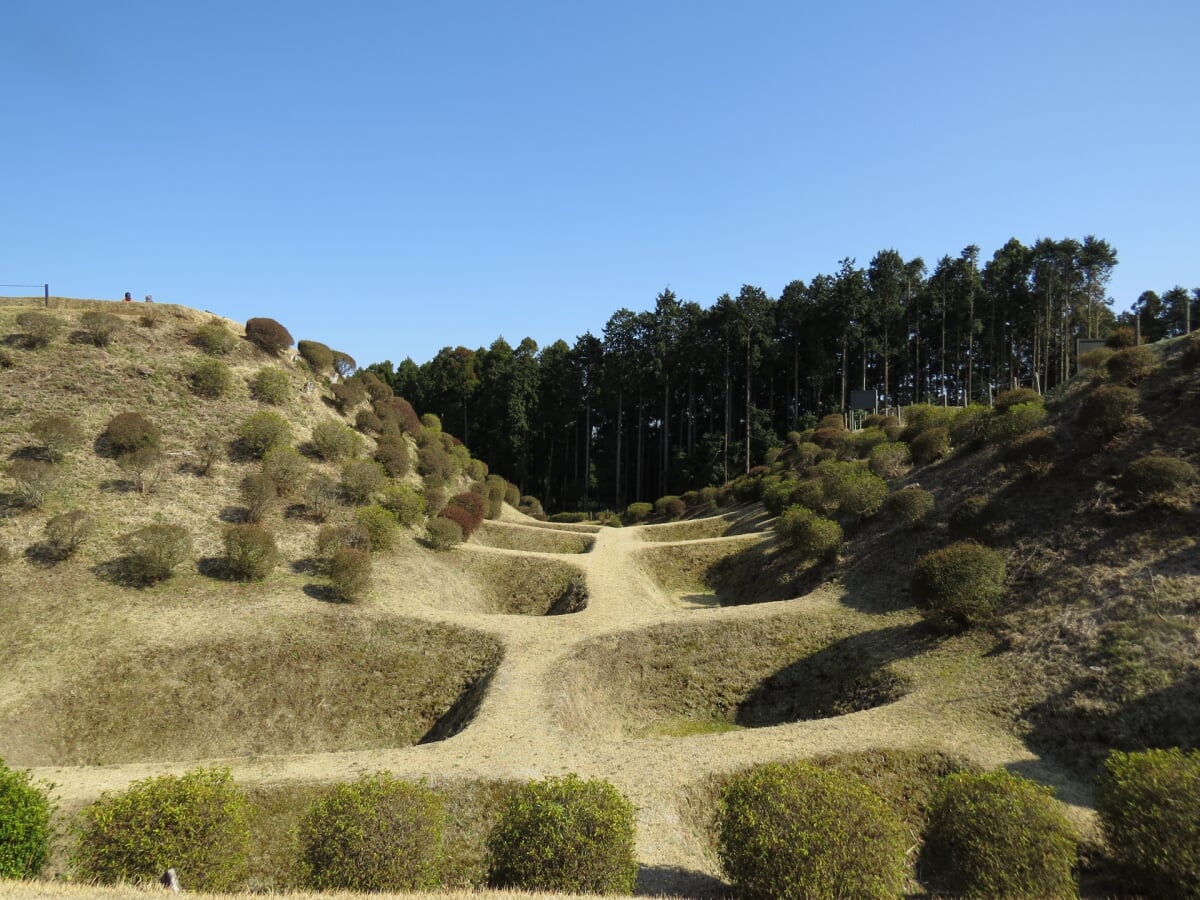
x=394 y=177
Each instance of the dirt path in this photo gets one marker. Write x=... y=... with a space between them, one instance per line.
x=516 y=732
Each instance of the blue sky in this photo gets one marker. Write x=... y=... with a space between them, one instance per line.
x=394 y=177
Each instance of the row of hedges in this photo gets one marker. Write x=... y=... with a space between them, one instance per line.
x=784 y=831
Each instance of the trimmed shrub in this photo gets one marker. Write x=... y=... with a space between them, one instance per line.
x=472 y=508
x=374 y=834
x=262 y=432
x=433 y=461
x=271 y=385
x=35 y=481
x=100 y=327
x=833 y=422
x=670 y=507
x=268 y=335
x=443 y=534
x=25 y=829
x=532 y=507
x=347 y=395
x=812 y=535
x=1109 y=409
x=910 y=506
x=130 y=431
x=259 y=493
x=40 y=328
x=777 y=494
x=1158 y=476
x=922 y=416
x=318 y=356
x=360 y=479
x=432 y=422
x=795 y=832
x=215 y=339
x=890 y=461
x=1121 y=337
x=321 y=496
x=857 y=493
x=1095 y=359
x=398 y=415
x=564 y=834
x=210 y=378
x=196 y=823
x=859 y=444
x=380 y=525
x=332 y=538
x=287 y=468
x=67 y=532
x=350 y=573
x=930 y=445
x=496 y=488
x=377 y=388
x=477 y=469
x=569 y=518
x=393 y=453
x=57 y=435
x=153 y=552
x=959 y=586
x=250 y=552
x=971 y=426
x=995 y=834
x=334 y=441
x=971 y=516
x=637 y=512
x=1006 y=400
x=1149 y=806
x=367 y=422
x=1132 y=365
x=405 y=503
x=512 y=495
x=1019 y=420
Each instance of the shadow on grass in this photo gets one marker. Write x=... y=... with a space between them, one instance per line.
x=323 y=592
x=676 y=881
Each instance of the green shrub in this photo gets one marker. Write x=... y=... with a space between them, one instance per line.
x=35 y=481
x=443 y=534
x=832 y=422
x=1006 y=400
x=670 y=507
x=271 y=385
x=532 y=507
x=564 y=834
x=512 y=495
x=25 y=829
x=334 y=441
x=321 y=497
x=922 y=416
x=57 y=435
x=1109 y=409
x=262 y=432
x=380 y=525
x=153 y=552
x=814 y=536
x=250 y=552
x=373 y=834
x=1032 y=453
x=857 y=493
x=332 y=538
x=392 y=452
x=497 y=488
x=748 y=488
x=638 y=512
x=859 y=444
x=210 y=450
x=1121 y=337
x=959 y=586
x=144 y=466
x=377 y=389
x=259 y=493
x=215 y=339
x=405 y=503
x=777 y=494
x=1132 y=365
x=434 y=492
x=910 y=506
x=796 y=832
x=268 y=335
x=805 y=454
x=1095 y=359
x=971 y=426
x=100 y=327
x=569 y=518
x=348 y=394
x=195 y=823
x=971 y=516
x=318 y=356
x=1020 y=419
x=130 y=431
x=361 y=478
x=287 y=468
x=890 y=461
x=40 y=328
x=998 y=835
x=6 y=359
x=349 y=573
x=432 y=422
x=930 y=445
x=1158 y=476
x=1149 y=806
x=67 y=532
x=810 y=493
x=210 y=378
x=367 y=422
x=433 y=461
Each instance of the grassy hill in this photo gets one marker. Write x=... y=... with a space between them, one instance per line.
x=662 y=657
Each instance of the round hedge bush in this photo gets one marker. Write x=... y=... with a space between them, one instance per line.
x=1158 y=475
x=319 y=356
x=271 y=385
x=210 y=378
x=1149 y=806
x=890 y=460
x=910 y=506
x=374 y=834
x=1005 y=400
x=333 y=440
x=262 y=432
x=995 y=834
x=195 y=823
x=564 y=834
x=443 y=534
x=857 y=493
x=215 y=339
x=130 y=431
x=1109 y=409
x=250 y=552
x=930 y=445
x=25 y=829
x=153 y=551
x=1132 y=365
x=958 y=586
x=814 y=536
x=268 y=334
x=796 y=832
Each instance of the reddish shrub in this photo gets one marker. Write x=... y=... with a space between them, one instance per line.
x=473 y=505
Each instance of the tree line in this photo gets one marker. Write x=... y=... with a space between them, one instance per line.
x=681 y=395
